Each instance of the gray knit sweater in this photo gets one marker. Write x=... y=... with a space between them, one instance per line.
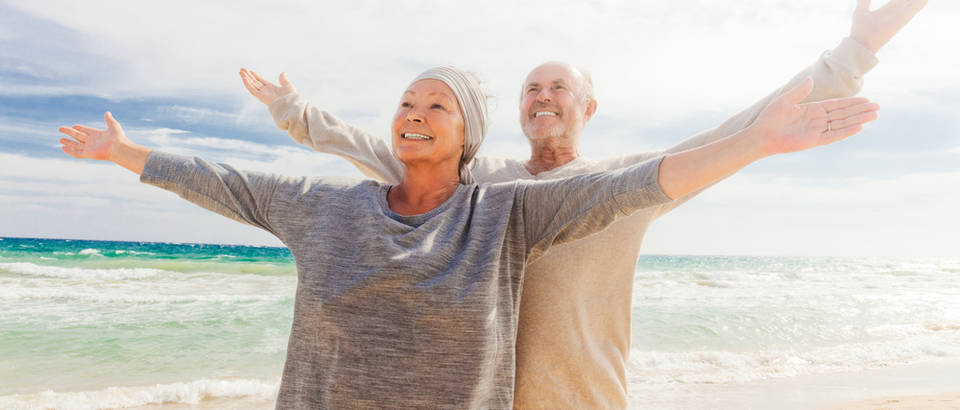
x=406 y=311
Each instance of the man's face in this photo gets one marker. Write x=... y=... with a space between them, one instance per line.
x=551 y=105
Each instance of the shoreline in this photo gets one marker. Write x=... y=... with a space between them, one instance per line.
x=940 y=401
x=895 y=387
x=912 y=386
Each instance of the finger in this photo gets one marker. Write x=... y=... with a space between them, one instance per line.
x=70 y=143
x=247 y=78
x=71 y=151
x=858 y=119
x=81 y=135
x=85 y=129
x=254 y=82
x=77 y=135
x=247 y=82
x=259 y=78
x=72 y=148
x=852 y=110
x=863 y=6
x=840 y=134
x=913 y=6
x=283 y=79
x=112 y=124
x=797 y=94
x=840 y=103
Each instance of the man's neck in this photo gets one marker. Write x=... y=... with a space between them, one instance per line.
x=549 y=153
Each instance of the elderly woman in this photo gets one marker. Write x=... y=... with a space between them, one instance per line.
x=408 y=294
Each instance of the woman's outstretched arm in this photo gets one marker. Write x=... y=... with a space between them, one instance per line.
x=110 y=144
x=567 y=209
x=784 y=126
x=240 y=195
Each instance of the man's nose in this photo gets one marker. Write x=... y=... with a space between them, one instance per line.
x=544 y=96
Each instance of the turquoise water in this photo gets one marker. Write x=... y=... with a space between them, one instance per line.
x=85 y=315
x=188 y=322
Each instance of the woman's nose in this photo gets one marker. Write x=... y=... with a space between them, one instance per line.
x=414 y=116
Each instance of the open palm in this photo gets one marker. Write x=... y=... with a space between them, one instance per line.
x=264 y=90
x=92 y=143
x=788 y=126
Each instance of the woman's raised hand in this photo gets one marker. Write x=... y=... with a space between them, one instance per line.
x=788 y=126
x=110 y=144
x=93 y=143
x=264 y=90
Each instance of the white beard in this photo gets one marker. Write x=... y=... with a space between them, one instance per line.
x=556 y=131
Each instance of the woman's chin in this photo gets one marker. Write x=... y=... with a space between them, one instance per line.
x=414 y=152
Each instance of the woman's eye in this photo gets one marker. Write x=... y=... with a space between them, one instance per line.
x=405 y=104
x=437 y=106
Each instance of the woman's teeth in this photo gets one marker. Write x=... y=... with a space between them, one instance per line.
x=413 y=136
x=542 y=113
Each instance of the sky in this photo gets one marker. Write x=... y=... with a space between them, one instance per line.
x=663 y=71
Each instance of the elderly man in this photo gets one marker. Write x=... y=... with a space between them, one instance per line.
x=574 y=326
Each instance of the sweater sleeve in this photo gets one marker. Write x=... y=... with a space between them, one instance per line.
x=567 y=209
x=837 y=73
x=324 y=132
x=238 y=195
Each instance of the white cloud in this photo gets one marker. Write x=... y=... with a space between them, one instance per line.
x=70 y=198
x=910 y=215
x=651 y=59
x=655 y=64
x=907 y=215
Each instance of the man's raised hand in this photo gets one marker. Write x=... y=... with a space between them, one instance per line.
x=264 y=90
x=875 y=28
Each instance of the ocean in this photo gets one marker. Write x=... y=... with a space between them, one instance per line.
x=91 y=324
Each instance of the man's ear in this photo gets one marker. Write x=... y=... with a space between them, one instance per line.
x=591 y=109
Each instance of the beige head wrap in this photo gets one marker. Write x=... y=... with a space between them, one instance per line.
x=473 y=108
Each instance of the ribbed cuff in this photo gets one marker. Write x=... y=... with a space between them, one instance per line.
x=279 y=107
x=157 y=167
x=639 y=187
x=855 y=56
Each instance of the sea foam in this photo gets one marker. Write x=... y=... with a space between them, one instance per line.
x=911 y=344
x=30 y=269
x=113 y=397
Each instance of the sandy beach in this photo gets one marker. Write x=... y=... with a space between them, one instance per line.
x=941 y=401
x=928 y=385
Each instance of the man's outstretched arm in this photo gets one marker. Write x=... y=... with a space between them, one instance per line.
x=322 y=131
x=837 y=73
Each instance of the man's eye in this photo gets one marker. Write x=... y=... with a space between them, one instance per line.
x=559 y=87
x=531 y=89
x=405 y=104
x=437 y=106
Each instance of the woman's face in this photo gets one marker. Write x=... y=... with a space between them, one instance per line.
x=428 y=126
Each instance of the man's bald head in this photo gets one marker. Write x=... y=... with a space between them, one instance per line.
x=556 y=101
x=579 y=75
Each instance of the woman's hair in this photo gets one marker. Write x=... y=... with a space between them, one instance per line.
x=473 y=108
